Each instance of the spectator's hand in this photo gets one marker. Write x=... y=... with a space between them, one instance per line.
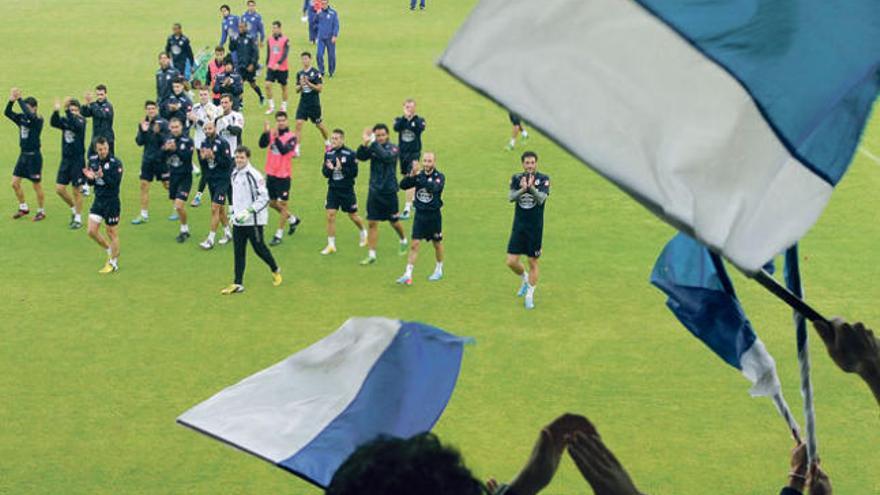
x=820 y=483
x=797 y=477
x=492 y=485
x=599 y=466
x=853 y=347
x=547 y=452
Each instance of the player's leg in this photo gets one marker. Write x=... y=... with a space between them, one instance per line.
x=284 y=97
x=331 y=232
x=271 y=109
x=325 y=133
x=240 y=236
x=19 y=194
x=197 y=199
x=41 y=199
x=113 y=241
x=227 y=229
x=259 y=245
x=412 y=4
x=331 y=57
x=322 y=45
x=144 y=216
x=95 y=232
x=77 y=204
x=61 y=191
x=438 y=256
x=372 y=241
x=283 y=217
x=406 y=278
x=362 y=229
x=208 y=243
x=533 y=282
x=180 y=209
x=404 y=243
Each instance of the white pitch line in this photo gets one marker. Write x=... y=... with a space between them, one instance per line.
x=870 y=155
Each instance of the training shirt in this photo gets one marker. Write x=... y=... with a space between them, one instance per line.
x=204 y=113
x=30 y=126
x=410 y=134
x=276 y=53
x=220 y=167
x=228 y=29
x=153 y=138
x=73 y=133
x=247 y=52
x=101 y=113
x=180 y=50
x=179 y=161
x=344 y=177
x=229 y=127
x=529 y=213
x=255 y=25
x=328 y=24
x=164 y=78
x=309 y=96
x=185 y=106
x=429 y=188
x=383 y=165
x=232 y=84
x=281 y=150
x=106 y=186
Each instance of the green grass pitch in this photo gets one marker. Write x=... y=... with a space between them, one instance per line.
x=94 y=370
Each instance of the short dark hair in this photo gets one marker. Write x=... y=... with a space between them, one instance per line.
x=179 y=80
x=101 y=87
x=150 y=103
x=101 y=140
x=305 y=54
x=228 y=60
x=226 y=96
x=419 y=465
x=339 y=131
x=379 y=127
x=162 y=53
x=177 y=25
x=175 y=119
x=529 y=154
x=276 y=23
x=243 y=149
x=251 y=2
x=219 y=49
x=281 y=114
x=225 y=6
x=73 y=103
x=30 y=100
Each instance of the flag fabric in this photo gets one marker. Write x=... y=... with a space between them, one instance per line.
x=309 y=412
x=731 y=120
x=702 y=297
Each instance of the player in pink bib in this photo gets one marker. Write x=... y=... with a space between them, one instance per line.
x=277 y=68
x=281 y=144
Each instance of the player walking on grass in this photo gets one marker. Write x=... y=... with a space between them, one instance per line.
x=228 y=26
x=216 y=66
x=428 y=224
x=247 y=58
x=341 y=169
x=281 y=144
x=202 y=112
x=249 y=201
x=215 y=157
x=327 y=30
x=100 y=110
x=409 y=128
x=105 y=173
x=382 y=202
x=230 y=125
x=519 y=130
x=229 y=83
x=151 y=135
x=529 y=190
x=309 y=85
x=254 y=22
x=165 y=76
x=73 y=149
x=30 y=161
x=179 y=47
x=178 y=152
x=177 y=105
x=277 y=66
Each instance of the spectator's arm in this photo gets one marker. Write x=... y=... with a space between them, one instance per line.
x=854 y=349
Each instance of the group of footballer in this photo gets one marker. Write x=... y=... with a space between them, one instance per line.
x=182 y=140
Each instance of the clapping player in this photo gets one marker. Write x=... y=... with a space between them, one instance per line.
x=281 y=143
x=215 y=157
x=105 y=173
x=30 y=161
x=340 y=168
x=428 y=224
x=409 y=128
x=178 y=151
x=529 y=190
x=73 y=136
x=151 y=135
x=309 y=85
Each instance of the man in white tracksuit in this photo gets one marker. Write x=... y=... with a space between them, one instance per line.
x=249 y=201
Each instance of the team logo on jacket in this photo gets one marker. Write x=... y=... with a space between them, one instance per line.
x=407 y=136
x=338 y=175
x=526 y=201
x=173 y=161
x=25 y=132
x=424 y=196
x=69 y=137
x=175 y=50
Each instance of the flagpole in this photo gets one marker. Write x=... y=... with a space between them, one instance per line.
x=788 y=297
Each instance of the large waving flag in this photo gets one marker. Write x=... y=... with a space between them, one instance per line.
x=702 y=297
x=309 y=412
x=731 y=120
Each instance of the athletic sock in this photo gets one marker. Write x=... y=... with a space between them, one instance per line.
x=407 y=206
x=512 y=142
x=227 y=231
x=438 y=268
x=114 y=262
x=409 y=270
x=404 y=241
x=372 y=253
x=293 y=219
x=211 y=236
x=41 y=210
x=109 y=251
x=145 y=213
x=525 y=277
x=184 y=228
x=530 y=292
x=23 y=207
x=283 y=106
x=77 y=217
x=525 y=133
x=73 y=209
x=331 y=241
x=279 y=233
x=363 y=234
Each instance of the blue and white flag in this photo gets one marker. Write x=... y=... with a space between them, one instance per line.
x=702 y=297
x=731 y=120
x=309 y=412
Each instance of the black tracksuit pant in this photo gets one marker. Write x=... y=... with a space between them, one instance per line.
x=241 y=235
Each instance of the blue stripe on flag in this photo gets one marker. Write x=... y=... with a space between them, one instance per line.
x=815 y=94
x=403 y=395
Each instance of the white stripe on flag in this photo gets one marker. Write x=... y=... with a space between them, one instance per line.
x=305 y=392
x=644 y=108
x=760 y=368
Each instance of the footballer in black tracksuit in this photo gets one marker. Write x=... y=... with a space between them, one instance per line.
x=410 y=141
x=218 y=171
x=164 y=78
x=382 y=199
x=309 y=107
x=106 y=204
x=247 y=53
x=153 y=164
x=184 y=108
x=73 y=147
x=101 y=113
x=180 y=168
x=30 y=126
x=340 y=181
x=428 y=224
x=528 y=220
x=180 y=50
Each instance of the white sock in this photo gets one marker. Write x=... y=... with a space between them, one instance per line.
x=109 y=251
x=227 y=231
x=530 y=292
x=279 y=233
x=198 y=194
x=271 y=104
x=525 y=133
x=77 y=217
x=372 y=253
x=73 y=209
x=404 y=241
x=284 y=106
x=41 y=210
x=525 y=277
x=23 y=206
x=364 y=234
x=513 y=141
x=292 y=220
x=211 y=236
x=409 y=270
x=145 y=213
x=114 y=261
x=407 y=206
x=184 y=228
x=438 y=268
x=331 y=241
